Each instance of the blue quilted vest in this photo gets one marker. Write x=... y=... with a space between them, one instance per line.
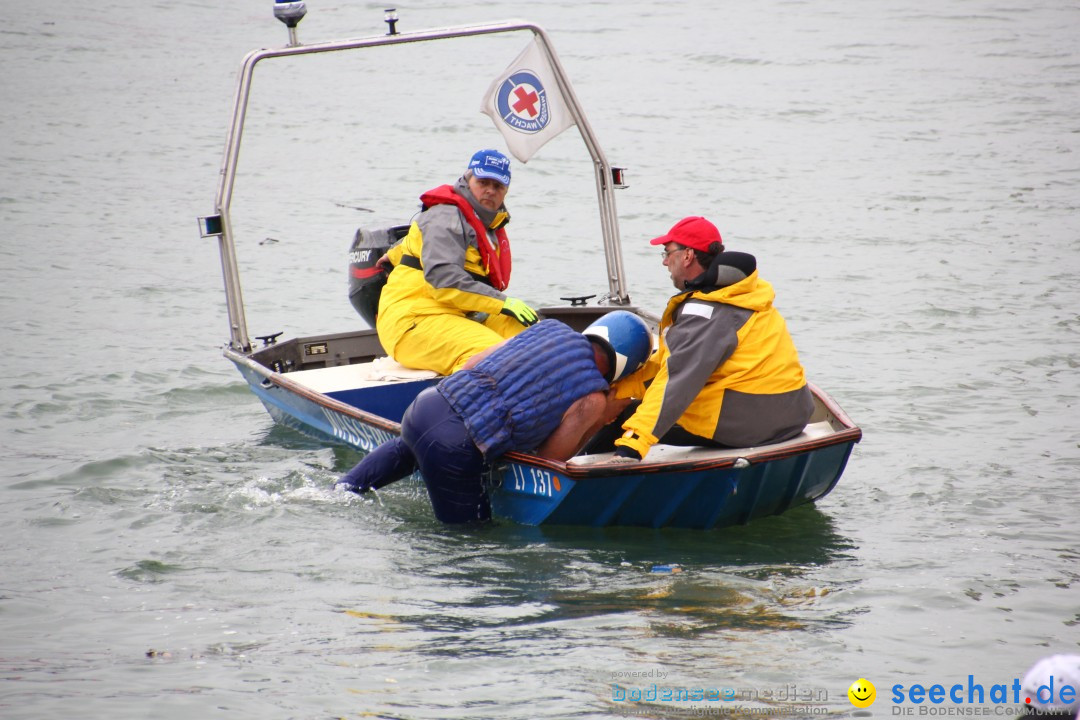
x=516 y=397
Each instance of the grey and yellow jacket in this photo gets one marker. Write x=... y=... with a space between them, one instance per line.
x=726 y=369
x=438 y=269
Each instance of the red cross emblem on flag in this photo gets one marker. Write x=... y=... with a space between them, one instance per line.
x=522 y=102
x=527 y=101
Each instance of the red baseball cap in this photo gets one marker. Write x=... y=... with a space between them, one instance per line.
x=693 y=232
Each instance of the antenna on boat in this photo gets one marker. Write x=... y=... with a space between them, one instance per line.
x=390 y=18
x=290 y=13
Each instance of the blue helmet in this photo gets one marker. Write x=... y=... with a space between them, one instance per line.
x=627 y=340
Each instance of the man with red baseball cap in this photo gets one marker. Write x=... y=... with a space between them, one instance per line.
x=727 y=373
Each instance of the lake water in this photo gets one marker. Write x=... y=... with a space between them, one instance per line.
x=907 y=173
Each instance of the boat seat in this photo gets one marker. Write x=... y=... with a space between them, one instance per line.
x=661 y=453
x=380 y=371
x=814 y=430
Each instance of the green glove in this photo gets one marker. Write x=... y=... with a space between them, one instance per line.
x=519 y=311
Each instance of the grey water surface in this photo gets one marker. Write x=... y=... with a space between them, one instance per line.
x=907 y=173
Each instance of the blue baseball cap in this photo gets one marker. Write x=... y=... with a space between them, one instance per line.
x=491 y=164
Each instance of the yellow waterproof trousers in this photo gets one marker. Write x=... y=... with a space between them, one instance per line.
x=444 y=342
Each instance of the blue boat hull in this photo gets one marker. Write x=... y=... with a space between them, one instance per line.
x=703 y=493
x=700 y=499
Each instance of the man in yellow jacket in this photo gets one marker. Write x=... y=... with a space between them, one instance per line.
x=727 y=373
x=451 y=270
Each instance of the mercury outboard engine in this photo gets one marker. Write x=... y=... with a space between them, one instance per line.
x=366 y=279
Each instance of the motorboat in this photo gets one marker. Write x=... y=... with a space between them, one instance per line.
x=343 y=387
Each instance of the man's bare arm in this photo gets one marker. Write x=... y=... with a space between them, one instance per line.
x=579 y=423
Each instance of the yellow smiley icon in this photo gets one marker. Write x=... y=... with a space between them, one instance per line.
x=862 y=693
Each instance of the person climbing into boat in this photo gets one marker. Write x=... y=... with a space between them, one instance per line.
x=727 y=373
x=443 y=301
x=545 y=391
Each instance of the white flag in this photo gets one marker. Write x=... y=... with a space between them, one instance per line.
x=526 y=105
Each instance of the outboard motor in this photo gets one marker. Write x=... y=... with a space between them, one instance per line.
x=366 y=279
